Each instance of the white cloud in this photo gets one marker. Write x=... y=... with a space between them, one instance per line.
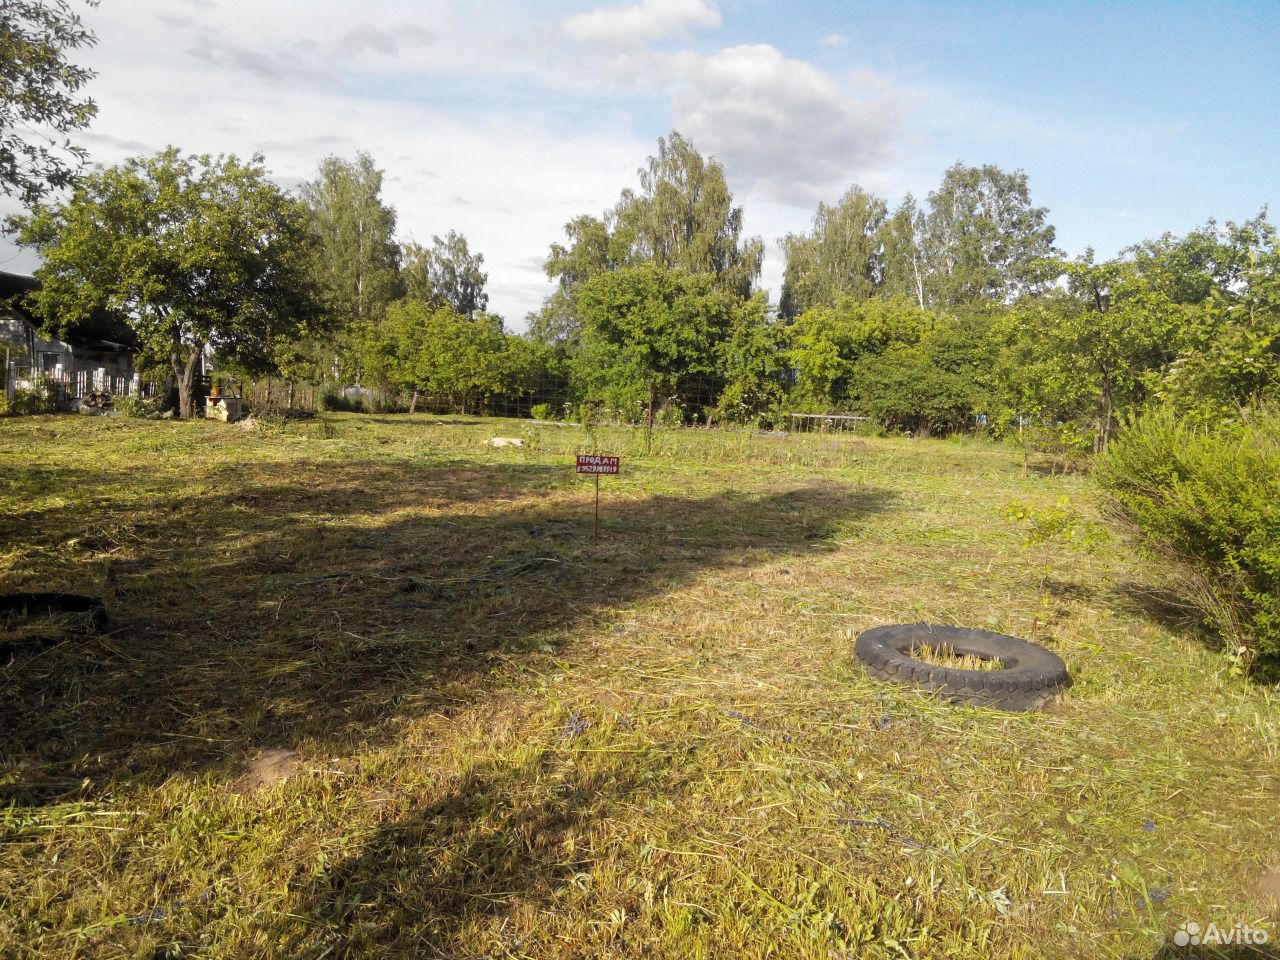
x=487 y=118
x=366 y=38
x=786 y=131
x=642 y=22
x=834 y=40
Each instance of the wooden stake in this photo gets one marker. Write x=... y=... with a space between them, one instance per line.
x=595 y=529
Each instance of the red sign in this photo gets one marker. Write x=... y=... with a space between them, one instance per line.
x=591 y=463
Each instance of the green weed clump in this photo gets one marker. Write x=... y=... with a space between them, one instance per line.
x=40 y=398
x=1207 y=501
x=141 y=408
x=334 y=400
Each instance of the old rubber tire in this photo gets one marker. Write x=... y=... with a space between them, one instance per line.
x=1030 y=678
x=54 y=604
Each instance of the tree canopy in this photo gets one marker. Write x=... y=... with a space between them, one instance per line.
x=40 y=97
x=683 y=218
x=843 y=256
x=355 y=260
x=981 y=238
x=446 y=274
x=196 y=251
x=434 y=350
x=650 y=325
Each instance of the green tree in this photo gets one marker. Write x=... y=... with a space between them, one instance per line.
x=650 y=325
x=195 y=251
x=682 y=218
x=828 y=342
x=595 y=245
x=436 y=351
x=446 y=274
x=40 y=99
x=902 y=270
x=356 y=261
x=933 y=384
x=981 y=239
x=752 y=361
x=1225 y=282
x=1105 y=339
x=842 y=256
x=555 y=324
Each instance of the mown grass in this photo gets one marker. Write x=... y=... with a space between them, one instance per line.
x=507 y=739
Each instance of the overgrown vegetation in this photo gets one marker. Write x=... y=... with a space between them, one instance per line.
x=372 y=688
x=40 y=397
x=1207 y=503
x=140 y=407
x=956 y=315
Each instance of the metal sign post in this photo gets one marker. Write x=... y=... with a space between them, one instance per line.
x=596 y=465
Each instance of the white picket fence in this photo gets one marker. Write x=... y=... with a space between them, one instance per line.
x=74 y=384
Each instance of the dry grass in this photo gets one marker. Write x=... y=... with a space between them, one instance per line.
x=373 y=690
x=944 y=656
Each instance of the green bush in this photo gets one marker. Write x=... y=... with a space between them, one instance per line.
x=140 y=408
x=332 y=399
x=1207 y=502
x=41 y=397
x=542 y=411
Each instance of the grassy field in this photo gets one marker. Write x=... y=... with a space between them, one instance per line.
x=372 y=690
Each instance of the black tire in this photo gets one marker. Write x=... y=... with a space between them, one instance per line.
x=54 y=604
x=1030 y=678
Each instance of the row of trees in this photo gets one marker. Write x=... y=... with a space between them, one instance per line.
x=945 y=315
x=204 y=254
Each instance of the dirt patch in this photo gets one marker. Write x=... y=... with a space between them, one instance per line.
x=269 y=768
x=1269 y=885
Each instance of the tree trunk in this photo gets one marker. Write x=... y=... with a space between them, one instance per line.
x=184 y=372
x=1108 y=414
x=413 y=401
x=915 y=269
x=648 y=440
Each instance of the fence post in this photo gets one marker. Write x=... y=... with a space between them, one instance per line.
x=10 y=375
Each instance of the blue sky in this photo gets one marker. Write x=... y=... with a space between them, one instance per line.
x=503 y=120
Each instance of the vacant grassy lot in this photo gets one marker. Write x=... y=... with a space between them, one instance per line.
x=371 y=689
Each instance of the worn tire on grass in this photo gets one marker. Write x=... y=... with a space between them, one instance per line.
x=1030 y=677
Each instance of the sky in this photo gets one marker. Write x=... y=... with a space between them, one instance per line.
x=505 y=120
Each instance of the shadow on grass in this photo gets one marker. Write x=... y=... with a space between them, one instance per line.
x=321 y=604
x=1241 y=951
x=1169 y=610
x=1162 y=607
x=426 y=419
x=1068 y=590
x=498 y=838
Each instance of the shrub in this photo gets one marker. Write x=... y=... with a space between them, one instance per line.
x=1066 y=445
x=41 y=397
x=332 y=399
x=140 y=408
x=542 y=411
x=1207 y=501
